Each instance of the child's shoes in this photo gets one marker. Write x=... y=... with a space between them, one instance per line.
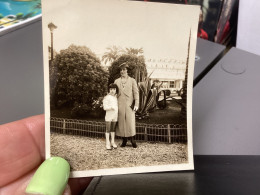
x=113 y=140
x=108 y=146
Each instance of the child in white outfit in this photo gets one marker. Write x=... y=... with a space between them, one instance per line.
x=110 y=105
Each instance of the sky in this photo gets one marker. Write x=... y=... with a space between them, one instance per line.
x=162 y=30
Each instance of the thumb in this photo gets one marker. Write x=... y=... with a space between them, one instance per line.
x=50 y=178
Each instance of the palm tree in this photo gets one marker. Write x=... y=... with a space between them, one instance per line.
x=112 y=54
x=133 y=51
x=184 y=94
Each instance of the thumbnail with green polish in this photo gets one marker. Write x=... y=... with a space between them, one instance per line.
x=50 y=178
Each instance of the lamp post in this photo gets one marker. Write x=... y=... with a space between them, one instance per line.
x=51 y=26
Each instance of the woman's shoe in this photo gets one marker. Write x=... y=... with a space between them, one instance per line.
x=124 y=142
x=133 y=142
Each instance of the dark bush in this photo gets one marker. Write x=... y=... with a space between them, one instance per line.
x=77 y=79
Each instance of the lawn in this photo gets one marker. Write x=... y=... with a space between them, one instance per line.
x=84 y=153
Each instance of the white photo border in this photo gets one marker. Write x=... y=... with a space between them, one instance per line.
x=127 y=170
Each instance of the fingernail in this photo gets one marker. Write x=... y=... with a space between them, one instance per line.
x=50 y=178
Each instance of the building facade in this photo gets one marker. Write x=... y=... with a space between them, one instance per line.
x=170 y=73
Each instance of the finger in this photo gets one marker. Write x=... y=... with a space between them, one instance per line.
x=22 y=147
x=36 y=127
x=78 y=185
x=18 y=186
x=50 y=178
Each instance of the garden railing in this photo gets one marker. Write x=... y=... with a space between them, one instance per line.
x=170 y=133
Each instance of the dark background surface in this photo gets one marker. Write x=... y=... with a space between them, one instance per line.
x=21 y=73
x=213 y=175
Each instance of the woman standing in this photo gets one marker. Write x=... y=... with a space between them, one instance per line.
x=128 y=94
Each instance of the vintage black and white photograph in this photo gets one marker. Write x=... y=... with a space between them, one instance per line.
x=118 y=85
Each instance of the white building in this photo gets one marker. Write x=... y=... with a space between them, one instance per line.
x=170 y=72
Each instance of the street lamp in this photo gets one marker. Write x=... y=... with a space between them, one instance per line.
x=51 y=26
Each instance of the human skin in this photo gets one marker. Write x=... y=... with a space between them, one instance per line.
x=22 y=151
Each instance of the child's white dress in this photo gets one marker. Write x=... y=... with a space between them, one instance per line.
x=110 y=102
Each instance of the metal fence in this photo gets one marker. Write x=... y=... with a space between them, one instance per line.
x=170 y=133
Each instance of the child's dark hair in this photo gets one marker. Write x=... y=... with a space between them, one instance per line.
x=113 y=86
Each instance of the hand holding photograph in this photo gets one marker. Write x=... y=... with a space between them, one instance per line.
x=118 y=85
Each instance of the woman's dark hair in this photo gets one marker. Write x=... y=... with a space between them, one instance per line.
x=113 y=86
